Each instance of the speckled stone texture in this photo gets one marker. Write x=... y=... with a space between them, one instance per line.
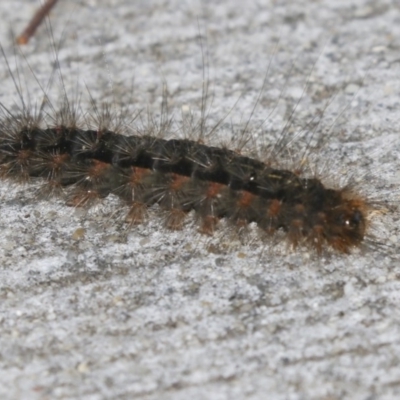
x=90 y=310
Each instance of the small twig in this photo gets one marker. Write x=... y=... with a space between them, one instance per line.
x=35 y=22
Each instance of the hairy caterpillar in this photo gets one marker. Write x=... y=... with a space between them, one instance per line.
x=179 y=175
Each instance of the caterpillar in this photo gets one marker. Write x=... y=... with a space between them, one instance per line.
x=180 y=176
x=89 y=161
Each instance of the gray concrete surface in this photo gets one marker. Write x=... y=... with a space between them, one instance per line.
x=91 y=311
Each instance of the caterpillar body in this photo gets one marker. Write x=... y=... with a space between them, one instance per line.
x=179 y=175
x=182 y=175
